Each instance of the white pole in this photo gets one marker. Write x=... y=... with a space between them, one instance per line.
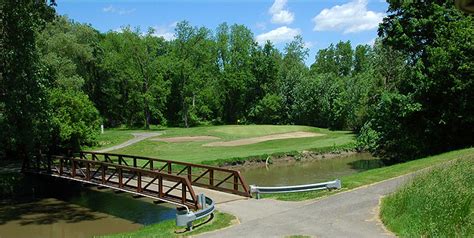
x=102 y=129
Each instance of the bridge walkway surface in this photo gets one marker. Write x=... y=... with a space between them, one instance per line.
x=352 y=213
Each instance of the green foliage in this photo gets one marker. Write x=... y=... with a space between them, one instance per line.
x=427 y=109
x=437 y=203
x=22 y=82
x=137 y=91
x=392 y=139
x=267 y=110
x=75 y=121
x=192 y=76
x=336 y=93
x=408 y=95
x=293 y=72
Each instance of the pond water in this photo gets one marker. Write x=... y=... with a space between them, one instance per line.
x=310 y=171
x=85 y=213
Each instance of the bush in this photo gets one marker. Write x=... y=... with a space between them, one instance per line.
x=75 y=120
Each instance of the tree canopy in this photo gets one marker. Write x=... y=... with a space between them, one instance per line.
x=409 y=94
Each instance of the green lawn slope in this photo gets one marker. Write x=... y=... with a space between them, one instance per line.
x=437 y=203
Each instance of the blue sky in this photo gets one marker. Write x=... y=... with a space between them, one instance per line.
x=320 y=22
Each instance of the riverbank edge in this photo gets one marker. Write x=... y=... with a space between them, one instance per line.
x=373 y=176
x=303 y=156
x=261 y=160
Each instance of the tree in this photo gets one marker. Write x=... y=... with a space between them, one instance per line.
x=264 y=101
x=293 y=71
x=193 y=75
x=66 y=51
x=235 y=48
x=431 y=110
x=362 y=59
x=343 y=58
x=74 y=121
x=134 y=63
x=324 y=61
x=22 y=82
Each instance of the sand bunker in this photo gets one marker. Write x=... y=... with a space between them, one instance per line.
x=186 y=139
x=248 y=141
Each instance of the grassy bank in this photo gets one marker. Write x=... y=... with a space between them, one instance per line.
x=195 y=152
x=437 y=203
x=169 y=229
x=380 y=174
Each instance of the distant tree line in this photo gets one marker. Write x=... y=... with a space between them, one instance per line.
x=410 y=94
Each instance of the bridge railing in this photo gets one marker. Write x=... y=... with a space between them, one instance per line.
x=221 y=179
x=162 y=186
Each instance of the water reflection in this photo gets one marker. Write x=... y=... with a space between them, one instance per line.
x=313 y=171
x=64 y=209
x=142 y=211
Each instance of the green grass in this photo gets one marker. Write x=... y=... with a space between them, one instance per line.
x=437 y=203
x=376 y=175
x=169 y=228
x=194 y=152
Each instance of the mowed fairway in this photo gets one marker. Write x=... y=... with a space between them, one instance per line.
x=181 y=147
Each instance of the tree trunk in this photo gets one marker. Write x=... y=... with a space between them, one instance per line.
x=147 y=118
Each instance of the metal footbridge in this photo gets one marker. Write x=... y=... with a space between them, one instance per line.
x=163 y=180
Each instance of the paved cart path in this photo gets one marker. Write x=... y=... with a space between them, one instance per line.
x=137 y=138
x=348 y=214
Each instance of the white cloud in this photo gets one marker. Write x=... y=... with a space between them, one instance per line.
x=280 y=15
x=278 y=35
x=165 y=31
x=349 y=18
x=308 y=44
x=120 y=11
x=261 y=25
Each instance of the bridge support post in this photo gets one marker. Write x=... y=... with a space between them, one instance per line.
x=120 y=174
x=183 y=189
x=160 y=187
x=139 y=182
x=236 y=182
x=211 y=177
x=88 y=171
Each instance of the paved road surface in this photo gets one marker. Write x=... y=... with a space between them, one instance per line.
x=138 y=137
x=349 y=214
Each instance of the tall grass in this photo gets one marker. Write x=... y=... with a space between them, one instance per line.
x=438 y=203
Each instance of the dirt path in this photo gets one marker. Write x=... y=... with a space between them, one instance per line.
x=348 y=214
x=138 y=137
x=254 y=140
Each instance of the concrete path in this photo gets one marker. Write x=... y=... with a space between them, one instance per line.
x=348 y=214
x=138 y=137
